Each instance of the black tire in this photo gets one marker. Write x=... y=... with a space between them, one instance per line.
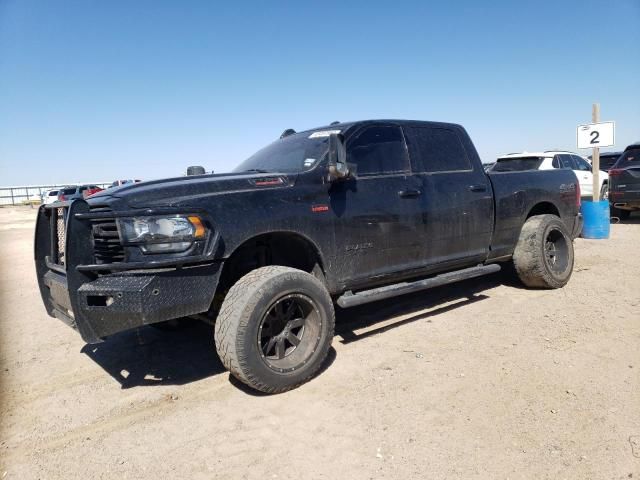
x=543 y=257
x=604 y=192
x=253 y=316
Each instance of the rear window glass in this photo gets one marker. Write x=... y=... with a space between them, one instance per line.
x=629 y=158
x=69 y=191
x=517 y=164
x=436 y=150
x=53 y=193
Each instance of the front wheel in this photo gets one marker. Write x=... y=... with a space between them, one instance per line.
x=275 y=328
x=604 y=192
x=543 y=256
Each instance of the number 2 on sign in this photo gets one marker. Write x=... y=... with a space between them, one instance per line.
x=594 y=137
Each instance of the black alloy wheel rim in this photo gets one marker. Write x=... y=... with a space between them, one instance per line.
x=556 y=251
x=289 y=332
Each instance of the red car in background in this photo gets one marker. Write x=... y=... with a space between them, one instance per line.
x=78 y=191
x=91 y=189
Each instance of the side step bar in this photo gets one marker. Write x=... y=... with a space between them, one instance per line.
x=350 y=299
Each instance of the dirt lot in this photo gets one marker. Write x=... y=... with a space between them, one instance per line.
x=481 y=380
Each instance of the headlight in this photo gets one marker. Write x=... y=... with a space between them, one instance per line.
x=162 y=234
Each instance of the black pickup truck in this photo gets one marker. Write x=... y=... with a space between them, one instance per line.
x=348 y=214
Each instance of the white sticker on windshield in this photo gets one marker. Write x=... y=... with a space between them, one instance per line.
x=323 y=133
x=309 y=161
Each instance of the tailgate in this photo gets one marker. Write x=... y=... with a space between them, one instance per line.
x=625 y=183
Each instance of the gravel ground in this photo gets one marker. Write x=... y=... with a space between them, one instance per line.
x=484 y=379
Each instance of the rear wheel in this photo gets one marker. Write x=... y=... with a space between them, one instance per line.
x=275 y=328
x=543 y=257
x=604 y=192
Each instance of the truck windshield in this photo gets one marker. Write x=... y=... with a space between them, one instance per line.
x=516 y=164
x=295 y=153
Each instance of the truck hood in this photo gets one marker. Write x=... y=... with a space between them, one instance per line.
x=180 y=190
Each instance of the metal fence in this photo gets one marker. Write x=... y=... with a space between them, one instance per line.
x=29 y=194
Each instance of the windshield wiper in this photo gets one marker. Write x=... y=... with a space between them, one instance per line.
x=257 y=170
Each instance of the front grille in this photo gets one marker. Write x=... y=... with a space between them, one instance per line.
x=61 y=235
x=106 y=241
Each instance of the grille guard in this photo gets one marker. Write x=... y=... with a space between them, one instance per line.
x=79 y=267
x=77 y=234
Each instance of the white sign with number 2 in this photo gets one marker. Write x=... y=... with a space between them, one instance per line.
x=596 y=135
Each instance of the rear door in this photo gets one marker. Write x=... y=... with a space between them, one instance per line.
x=457 y=205
x=582 y=169
x=565 y=160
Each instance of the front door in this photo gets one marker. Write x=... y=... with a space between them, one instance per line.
x=376 y=212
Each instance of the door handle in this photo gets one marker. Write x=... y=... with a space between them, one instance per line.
x=478 y=188
x=409 y=193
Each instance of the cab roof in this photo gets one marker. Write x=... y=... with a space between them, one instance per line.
x=346 y=126
x=545 y=154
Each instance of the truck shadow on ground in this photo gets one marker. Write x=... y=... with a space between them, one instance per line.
x=147 y=356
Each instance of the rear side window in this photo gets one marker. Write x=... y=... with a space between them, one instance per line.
x=69 y=191
x=563 y=161
x=378 y=150
x=436 y=150
x=581 y=163
x=517 y=164
x=53 y=193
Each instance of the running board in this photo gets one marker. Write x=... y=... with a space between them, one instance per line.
x=350 y=299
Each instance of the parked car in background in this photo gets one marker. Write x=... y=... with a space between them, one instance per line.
x=91 y=190
x=49 y=196
x=487 y=166
x=625 y=183
x=75 y=192
x=607 y=159
x=117 y=183
x=555 y=159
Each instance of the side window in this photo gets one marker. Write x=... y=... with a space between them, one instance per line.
x=581 y=163
x=568 y=161
x=563 y=161
x=377 y=150
x=436 y=150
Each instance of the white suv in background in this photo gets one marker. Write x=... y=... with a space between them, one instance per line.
x=555 y=159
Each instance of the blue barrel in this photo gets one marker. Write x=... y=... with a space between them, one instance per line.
x=596 y=219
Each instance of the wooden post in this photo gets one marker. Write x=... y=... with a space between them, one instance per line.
x=595 y=158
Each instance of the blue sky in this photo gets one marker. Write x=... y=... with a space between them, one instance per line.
x=95 y=90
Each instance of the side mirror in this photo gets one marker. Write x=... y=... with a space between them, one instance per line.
x=337 y=158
